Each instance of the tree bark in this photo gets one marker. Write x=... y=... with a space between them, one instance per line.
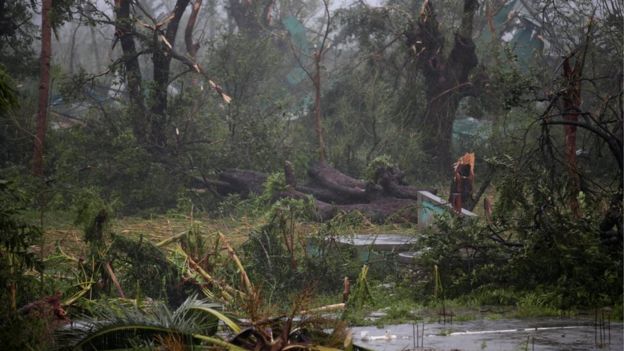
x=325 y=173
x=124 y=29
x=161 y=59
x=44 y=87
x=316 y=80
x=244 y=182
x=318 y=127
x=349 y=189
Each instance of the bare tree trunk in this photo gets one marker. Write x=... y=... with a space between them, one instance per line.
x=72 y=48
x=124 y=29
x=191 y=47
x=162 y=64
x=318 y=127
x=318 y=57
x=44 y=87
x=438 y=138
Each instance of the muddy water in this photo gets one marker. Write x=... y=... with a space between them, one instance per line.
x=505 y=334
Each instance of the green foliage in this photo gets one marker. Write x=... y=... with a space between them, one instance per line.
x=115 y=325
x=94 y=215
x=533 y=254
x=141 y=268
x=294 y=209
x=199 y=248
x=273 y=252
x=17 y=106
x=361 y=294
x=8 y=95
x=17 y=257
x=30 y=332
x=145 y=270
x=62 y=12
x=362 y=124
x=534 y=244
x=508 y=86
x=112 y=162
x=234 y=206
x=274 y=185
x=538 y=302
x=488 y=295
x=327 y=262
x=268 y=260
x=281 y=260
x=18 y=283
x=255 y=124
x=383 y=161
x=17 y=32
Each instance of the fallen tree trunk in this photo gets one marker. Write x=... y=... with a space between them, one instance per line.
x=333 y=192
x=324 y=211
x=379 y=211
x=323 y=172
x=322 y=194
x=402 y=191
x=349 y=189
x=391 y=180
x=243 y=182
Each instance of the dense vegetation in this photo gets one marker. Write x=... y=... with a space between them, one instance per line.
x=150 y=101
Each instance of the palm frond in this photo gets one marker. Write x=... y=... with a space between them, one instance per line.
x=117 y=326
x=220 y=316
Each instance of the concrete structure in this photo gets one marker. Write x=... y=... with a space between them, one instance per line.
x=430 y=205
x=375 y=246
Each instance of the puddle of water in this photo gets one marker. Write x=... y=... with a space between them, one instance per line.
x=510 y=334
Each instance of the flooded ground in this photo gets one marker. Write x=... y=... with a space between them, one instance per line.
x=505 y=334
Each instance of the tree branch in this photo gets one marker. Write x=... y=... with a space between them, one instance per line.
x=197 y=68
x=615 y=145
x=191 y=47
